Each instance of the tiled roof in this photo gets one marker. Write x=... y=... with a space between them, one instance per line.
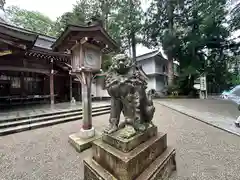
x=149 y=55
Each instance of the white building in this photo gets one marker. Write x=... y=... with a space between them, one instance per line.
x=156 y=68
x=98 y=90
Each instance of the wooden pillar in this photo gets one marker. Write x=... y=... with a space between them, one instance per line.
x=79 y=92
x=52 y=88
x=22 y=84
x=52 y=83
x=86 y=78
x=70 y=87
x=44 y=85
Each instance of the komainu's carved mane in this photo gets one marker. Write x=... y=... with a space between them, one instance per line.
x=126 y=84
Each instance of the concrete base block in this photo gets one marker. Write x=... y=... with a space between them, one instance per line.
x=81 y=144
x=127 y=166
x=87 y=133
x=161 y=168
x=129 y=155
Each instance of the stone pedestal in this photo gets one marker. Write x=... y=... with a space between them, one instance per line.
x=127 y=155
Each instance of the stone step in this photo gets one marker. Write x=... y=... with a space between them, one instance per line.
x=128 y=165
x=160 y=168
x=46 y=123
x=54 y=112
x=47 y=118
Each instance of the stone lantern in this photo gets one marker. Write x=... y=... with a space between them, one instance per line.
x=86 y=45
x=86 y=59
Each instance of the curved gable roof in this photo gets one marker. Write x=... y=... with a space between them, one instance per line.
x=150 y=55
x=12 y=34
x=73 y=33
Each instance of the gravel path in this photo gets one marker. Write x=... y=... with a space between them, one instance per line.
x=203 y=152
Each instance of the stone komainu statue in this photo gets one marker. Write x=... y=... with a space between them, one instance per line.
x=126 y=84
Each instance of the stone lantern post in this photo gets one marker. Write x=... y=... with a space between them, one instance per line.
x=86 y=59
x=86 y=45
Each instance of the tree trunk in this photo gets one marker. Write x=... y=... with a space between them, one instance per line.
x=105 y=12
x=133 y=45
x=170 y=27
x=132 y=34
x=129 y=47
x=170 y=70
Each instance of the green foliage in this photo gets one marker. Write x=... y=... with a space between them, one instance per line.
x=190 y=31
x=235 y=17
x=235 y=79
x=126 y=21
x=194 y=33
x=235 y=75
x=107 y=61
x=81 y=13
x=121 y=18
x=67 y=18
x=173 y=88
x=31 y=20
x=118 y=16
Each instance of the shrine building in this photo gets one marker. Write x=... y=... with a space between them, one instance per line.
x=33 y=70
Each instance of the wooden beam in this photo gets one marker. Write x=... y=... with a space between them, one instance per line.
x=21 y=46
x=70 y=87
x=22 y=69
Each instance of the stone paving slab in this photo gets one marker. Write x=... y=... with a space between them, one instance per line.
x=44 y=109
x=207 y=115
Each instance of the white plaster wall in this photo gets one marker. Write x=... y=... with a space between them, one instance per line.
x=159 y=68
x=98 y=91
x=148 y=65
x=160 y=65
x=94 y=89
x=151 y=83
x=160 y=83
x=98 y=88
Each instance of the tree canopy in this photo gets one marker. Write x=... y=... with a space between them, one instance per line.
x=235 y=17
x=31 y=20
x=196 y=33
x=193 y=32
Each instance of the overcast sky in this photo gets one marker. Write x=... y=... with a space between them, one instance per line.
x=55 y=8
x=51 y=8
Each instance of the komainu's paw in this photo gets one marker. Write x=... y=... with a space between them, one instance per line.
x=122 y=125
x=138 y=126
x=111 y=129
